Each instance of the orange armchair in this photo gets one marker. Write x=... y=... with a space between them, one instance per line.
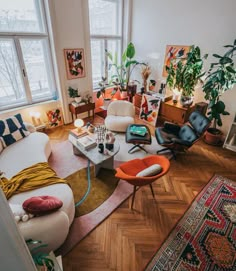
x=128 y=171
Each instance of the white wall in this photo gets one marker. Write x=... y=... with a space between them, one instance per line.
x=210 y=24
x=70 y=27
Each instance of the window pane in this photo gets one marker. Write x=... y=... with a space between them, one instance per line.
x=105 y=17
x=11 y=86
x=36 y=59
x=114 y=47
x=20 y=16
x=98 y=65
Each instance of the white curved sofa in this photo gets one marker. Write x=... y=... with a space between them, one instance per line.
x=51 y=229
x=120 y=114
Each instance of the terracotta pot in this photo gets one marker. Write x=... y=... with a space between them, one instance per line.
x=213 y=136
x=123 y=94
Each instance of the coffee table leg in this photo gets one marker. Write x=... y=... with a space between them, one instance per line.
x=109 y=164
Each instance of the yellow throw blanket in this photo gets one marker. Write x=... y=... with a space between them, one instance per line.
x=30 y=178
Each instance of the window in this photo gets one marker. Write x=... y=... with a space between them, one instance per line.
x=106 y=34
x=26 y=74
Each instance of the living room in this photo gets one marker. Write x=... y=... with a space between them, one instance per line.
x=127 y=239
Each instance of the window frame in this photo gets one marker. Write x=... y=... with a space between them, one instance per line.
x=106 y=39
x=16 y=37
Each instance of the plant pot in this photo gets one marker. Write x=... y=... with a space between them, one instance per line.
x=123 y=94
x=106 y=102
x=78 y=99
x=186 y=100
x=213 y=136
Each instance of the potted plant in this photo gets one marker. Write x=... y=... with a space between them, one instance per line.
x=123 y=70
x=220 y=77
x=42 y=260
x=73 y=93
x=102 y=92
x=185 y=75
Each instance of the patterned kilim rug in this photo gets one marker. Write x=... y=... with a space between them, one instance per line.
x=205 y=237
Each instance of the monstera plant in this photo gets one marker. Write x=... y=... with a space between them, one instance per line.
x=220 y=78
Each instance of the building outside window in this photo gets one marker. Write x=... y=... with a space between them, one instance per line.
x=106 y=34
x=26 y=73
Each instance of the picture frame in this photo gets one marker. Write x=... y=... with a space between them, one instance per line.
x=75 y=63
x=55 y=117
x=149 y=109
x=176 y=53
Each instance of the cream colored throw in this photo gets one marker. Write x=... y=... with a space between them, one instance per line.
x=30 y=178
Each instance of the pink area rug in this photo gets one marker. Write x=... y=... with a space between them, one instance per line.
x=64 y=162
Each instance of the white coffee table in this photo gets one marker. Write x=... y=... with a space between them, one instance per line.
x=99 y=160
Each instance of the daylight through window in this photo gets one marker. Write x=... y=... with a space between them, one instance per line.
x=26 y=74
x=106 y=33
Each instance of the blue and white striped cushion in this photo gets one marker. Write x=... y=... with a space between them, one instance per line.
x=12 y=130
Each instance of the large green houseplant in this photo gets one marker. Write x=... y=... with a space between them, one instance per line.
x=121 y=71
x=185 y=75
x=220 y=77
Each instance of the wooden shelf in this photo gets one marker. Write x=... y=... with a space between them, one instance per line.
x=81 y=109
x=168 y=111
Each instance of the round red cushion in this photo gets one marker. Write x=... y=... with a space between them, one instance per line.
x=41 y=205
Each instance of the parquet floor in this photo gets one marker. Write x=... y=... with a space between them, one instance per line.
x=127 y=240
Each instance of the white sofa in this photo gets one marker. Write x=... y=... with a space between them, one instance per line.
x=51 y=229
x=120 y=114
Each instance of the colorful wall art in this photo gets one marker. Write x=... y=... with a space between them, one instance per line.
x=176 y=53
x=55 y=118
x=149 y=109
x=75 y=64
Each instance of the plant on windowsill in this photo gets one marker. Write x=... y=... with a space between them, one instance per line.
x=74 y=93
x=220 y=77
x=186 y=74
x=123 y=71
x=102 y=92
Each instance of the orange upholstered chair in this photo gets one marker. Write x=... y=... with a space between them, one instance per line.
x=128 y=171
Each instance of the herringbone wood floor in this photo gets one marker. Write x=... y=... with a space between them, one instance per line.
x=127 y=240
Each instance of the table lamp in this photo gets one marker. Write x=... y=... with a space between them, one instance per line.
x=79 y=123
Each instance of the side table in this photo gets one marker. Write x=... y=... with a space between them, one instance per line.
x=81 y=109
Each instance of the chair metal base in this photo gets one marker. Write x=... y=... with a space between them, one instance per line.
x=137 y=146
x=134 y=191
x=168 y=149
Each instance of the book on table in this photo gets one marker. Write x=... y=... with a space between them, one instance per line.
x=77 y=134
x=86 y=142
x=138 y=130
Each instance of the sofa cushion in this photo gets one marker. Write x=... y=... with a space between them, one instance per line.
x=41 y=205
x=150 y=171
x=12 y=130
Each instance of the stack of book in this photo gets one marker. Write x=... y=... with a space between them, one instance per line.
x=86 y=142
x=77 y=134
x=75 y=104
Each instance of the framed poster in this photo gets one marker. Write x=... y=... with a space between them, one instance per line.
x=149 y=109
x=174 y=52
x=55 y=118
x=75 y=64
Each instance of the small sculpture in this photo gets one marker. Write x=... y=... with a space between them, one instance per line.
x=110 y=139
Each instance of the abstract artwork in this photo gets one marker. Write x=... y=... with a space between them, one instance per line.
x=75 y=65
x=54 y=118
x=149 y=109
x=174 y=52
